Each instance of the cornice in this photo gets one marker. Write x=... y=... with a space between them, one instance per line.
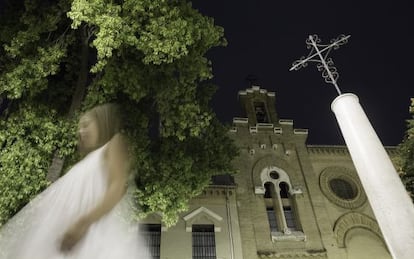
x=341 y=150
x=306 y=254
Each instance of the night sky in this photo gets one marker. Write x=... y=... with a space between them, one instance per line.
x=265 y=37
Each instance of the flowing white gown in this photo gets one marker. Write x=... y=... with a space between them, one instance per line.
x=36 y=231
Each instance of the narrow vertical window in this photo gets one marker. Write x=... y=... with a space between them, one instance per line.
x=272 y=219
x=290 y=217
x=151 y=234
x=268 y=190
x=287 y=206
x=204 y=242
x=270 y=206
x=284 y=190
x=260 y=110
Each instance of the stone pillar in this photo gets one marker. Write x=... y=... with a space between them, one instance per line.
x=389 y=200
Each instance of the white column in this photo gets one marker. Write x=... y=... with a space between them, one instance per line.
x=389 y=200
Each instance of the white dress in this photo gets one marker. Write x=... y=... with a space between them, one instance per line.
x=36 y=231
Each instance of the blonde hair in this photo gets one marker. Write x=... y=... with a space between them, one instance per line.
x=108 y=119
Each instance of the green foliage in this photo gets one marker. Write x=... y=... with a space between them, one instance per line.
x=28 y=139
x=406 y=155
x=149 y=56
x=186 y=166
x=32 y=72
x=163 y=31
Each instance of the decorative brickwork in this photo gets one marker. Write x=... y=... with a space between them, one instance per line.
x=353 y=220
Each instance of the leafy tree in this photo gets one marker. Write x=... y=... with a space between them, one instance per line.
x=406 y=155
x=64 y=56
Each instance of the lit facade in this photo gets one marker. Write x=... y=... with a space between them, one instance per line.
x=288 y=199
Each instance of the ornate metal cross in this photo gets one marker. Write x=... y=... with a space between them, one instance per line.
x=325 y=64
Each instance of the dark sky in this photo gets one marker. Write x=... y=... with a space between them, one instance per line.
x=265 y=37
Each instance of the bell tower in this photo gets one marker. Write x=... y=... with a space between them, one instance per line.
x=259 y=106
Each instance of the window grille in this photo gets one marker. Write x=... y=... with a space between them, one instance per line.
x=151 y=233
x=204 y=243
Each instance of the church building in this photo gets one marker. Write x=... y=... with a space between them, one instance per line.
x=288 y=199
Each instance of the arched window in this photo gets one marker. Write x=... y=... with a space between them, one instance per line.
x=287 y=206
x=260 y=111
x=268 y=190
x=284 y=190
x=270 y=206
x=280 y=205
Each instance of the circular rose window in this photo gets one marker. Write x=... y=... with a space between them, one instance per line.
x=342 y=187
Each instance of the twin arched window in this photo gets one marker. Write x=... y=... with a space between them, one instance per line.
x=280 y=206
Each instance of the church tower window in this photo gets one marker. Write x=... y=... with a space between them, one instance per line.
x=260 y=111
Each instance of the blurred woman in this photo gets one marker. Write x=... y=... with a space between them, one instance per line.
x=85 y=214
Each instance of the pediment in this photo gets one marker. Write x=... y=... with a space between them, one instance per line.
x=203 y=215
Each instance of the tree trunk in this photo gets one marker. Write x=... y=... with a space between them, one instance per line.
x=57 y=162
